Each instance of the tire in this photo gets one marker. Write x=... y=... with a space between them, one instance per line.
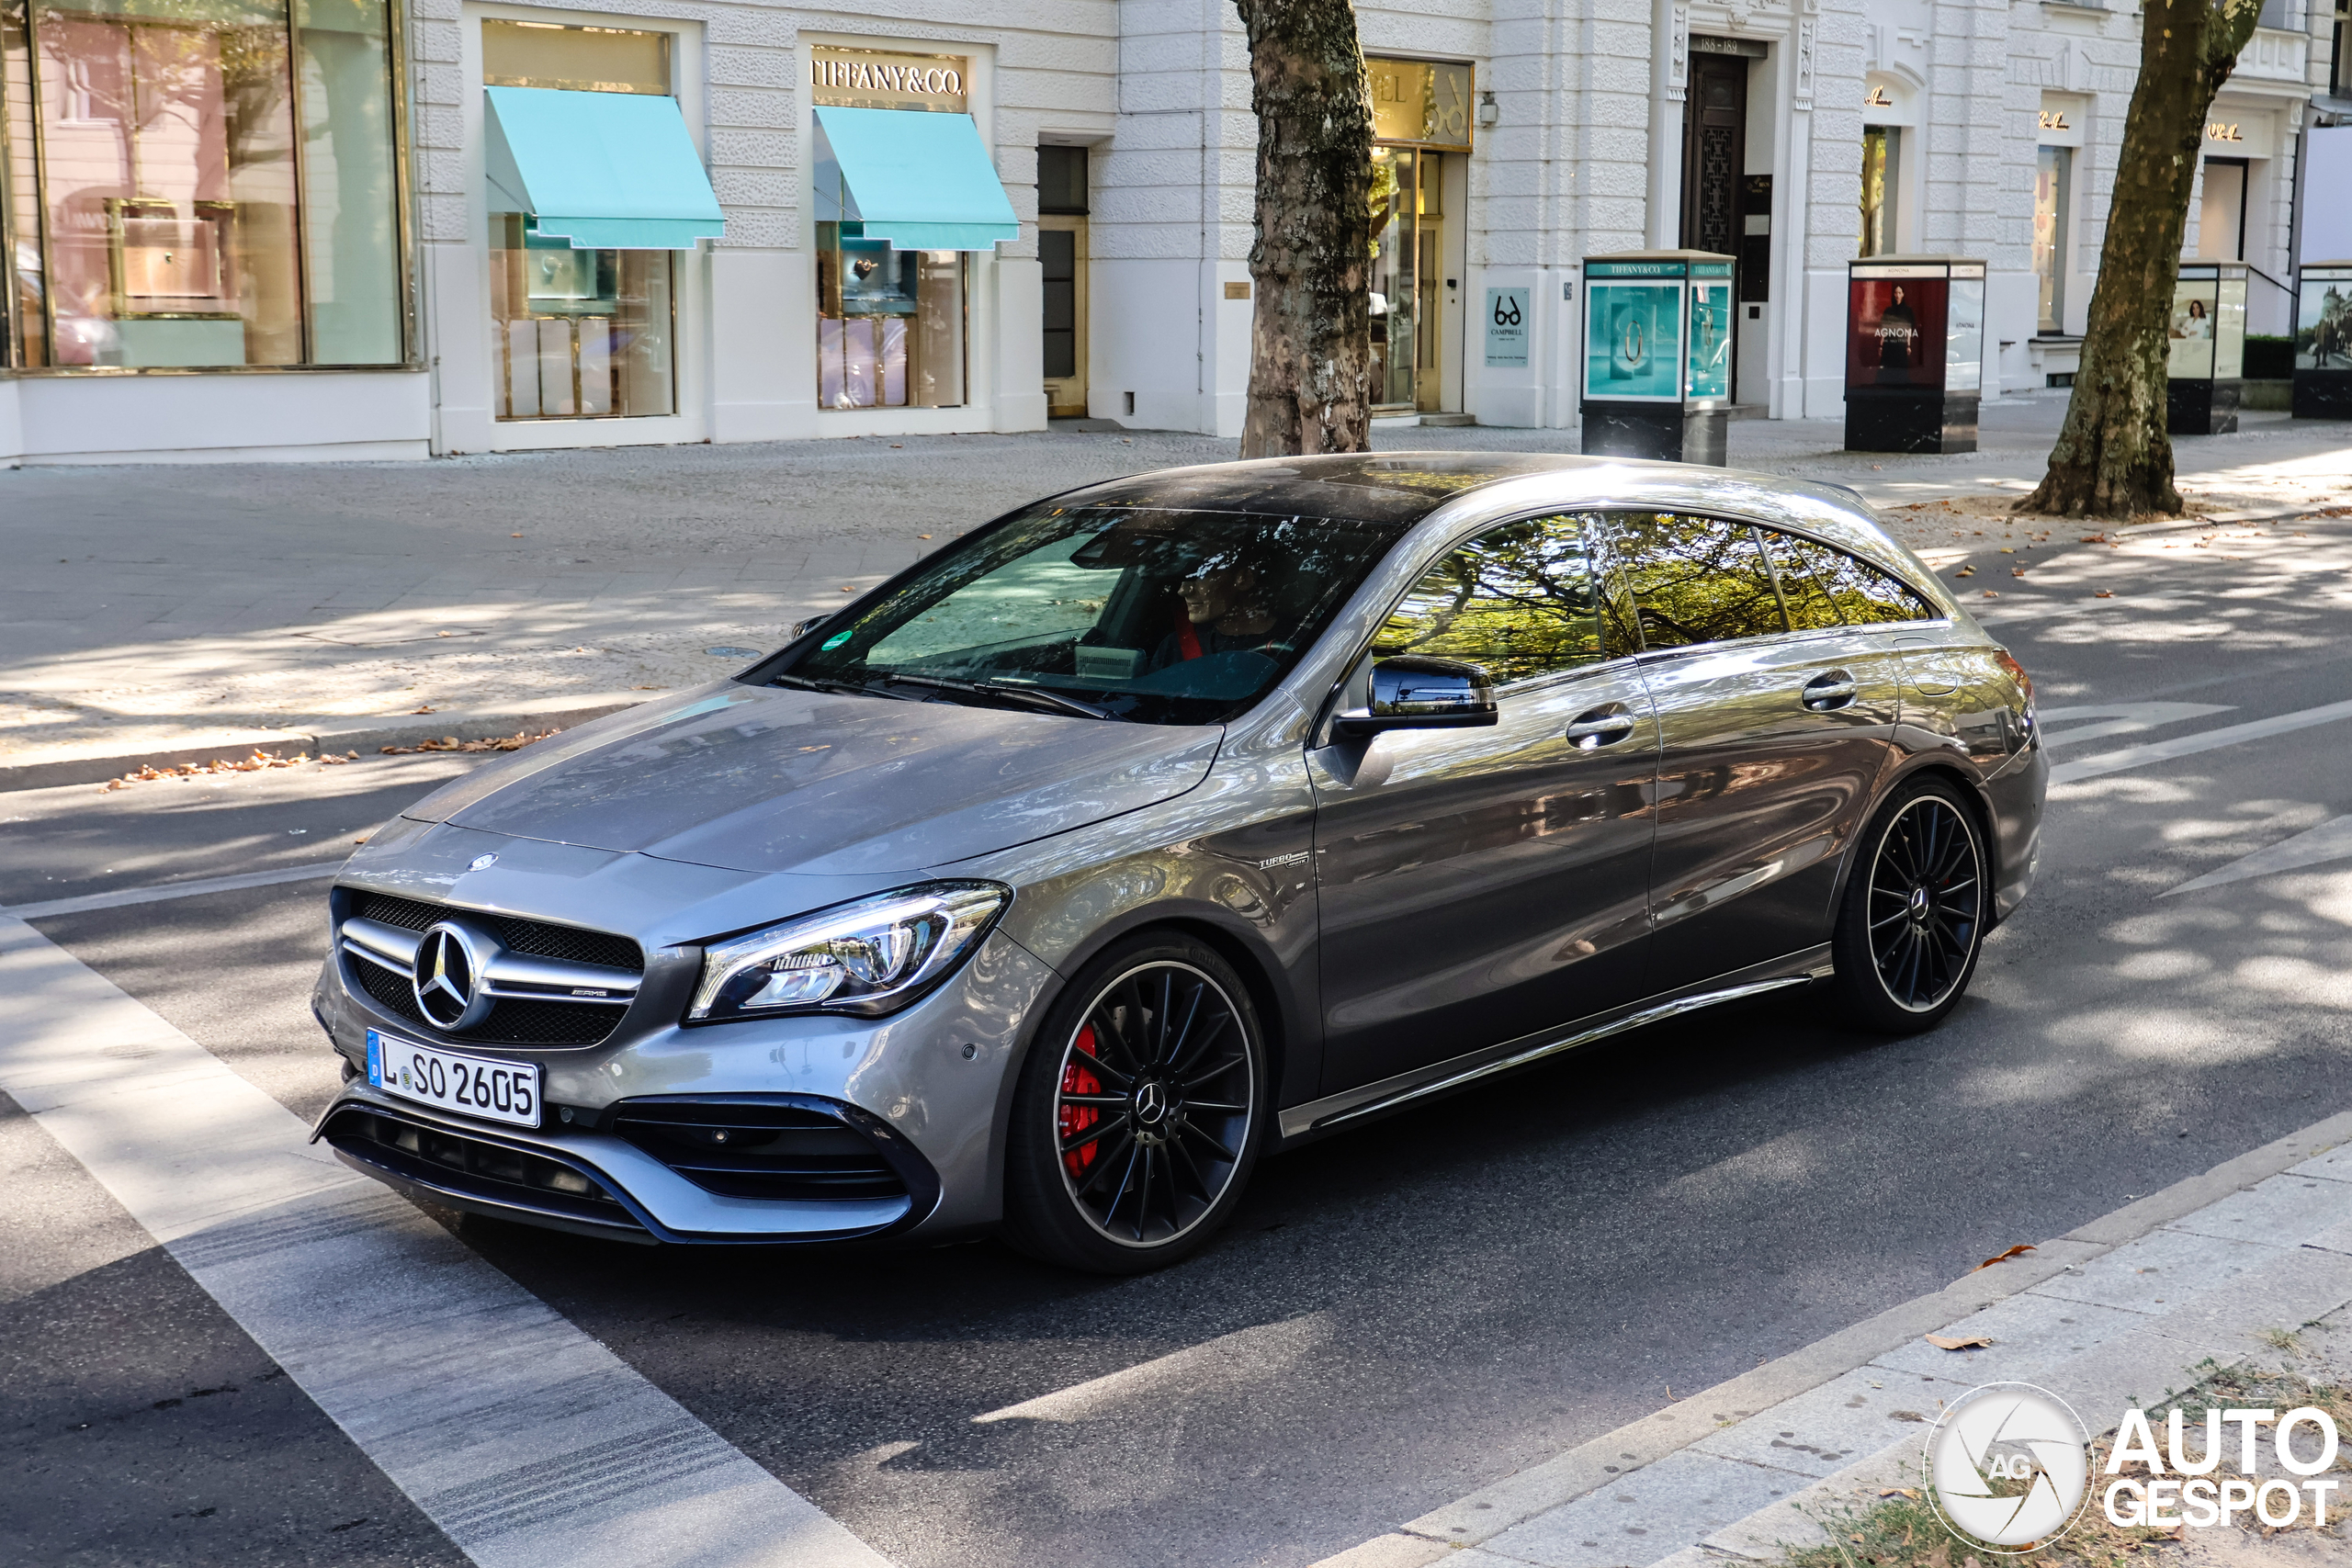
x=1914 y=912
x=1139 y=1112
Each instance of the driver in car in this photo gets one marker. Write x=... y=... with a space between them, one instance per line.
x=1220 y=616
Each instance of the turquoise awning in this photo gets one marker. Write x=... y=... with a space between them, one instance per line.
x=919 y=180
x=608 y=171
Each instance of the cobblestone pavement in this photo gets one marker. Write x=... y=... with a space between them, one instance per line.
x=158 y=611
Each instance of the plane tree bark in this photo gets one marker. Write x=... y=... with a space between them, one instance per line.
x=1310 y=337
x=2113 y=458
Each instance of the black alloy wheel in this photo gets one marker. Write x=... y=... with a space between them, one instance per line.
x=1914 y=916
x=1138 y=1118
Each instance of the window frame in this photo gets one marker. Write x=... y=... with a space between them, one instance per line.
x=1610 y=582
x=12 y=178
x=1936 y=617
x=1606 y=584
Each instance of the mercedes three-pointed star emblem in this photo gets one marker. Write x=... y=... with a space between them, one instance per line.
x=449 y=978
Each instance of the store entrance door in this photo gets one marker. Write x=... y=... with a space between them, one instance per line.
x=1407 y=229
x=1061 y=250
x=1714 y=160
x=1062 y=205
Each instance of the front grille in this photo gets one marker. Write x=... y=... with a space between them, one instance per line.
x=537 y=938
x=513 y=1020
x=761 y=1151
x=474 y=1167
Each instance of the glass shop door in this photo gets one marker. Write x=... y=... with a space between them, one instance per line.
x=1408 y=247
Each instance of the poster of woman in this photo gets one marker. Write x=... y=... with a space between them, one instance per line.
x=1896 y=332
x=2190 y=330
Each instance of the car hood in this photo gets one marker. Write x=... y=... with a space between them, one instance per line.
x=764 y=779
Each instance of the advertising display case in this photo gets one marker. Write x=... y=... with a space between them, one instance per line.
x=1914 y=353
x=2205 y=348
x=2324 y=341
x=1657 y=343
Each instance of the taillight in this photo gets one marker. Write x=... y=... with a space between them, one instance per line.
x=2025 y=683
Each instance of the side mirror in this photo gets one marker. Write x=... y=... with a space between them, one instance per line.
x=1410 y=692
x=802 y=628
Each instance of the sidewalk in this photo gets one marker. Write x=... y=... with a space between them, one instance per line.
x=2248 y=1265
x=172 y=615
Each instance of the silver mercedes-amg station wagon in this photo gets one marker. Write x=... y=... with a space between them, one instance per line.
x=1171 y=822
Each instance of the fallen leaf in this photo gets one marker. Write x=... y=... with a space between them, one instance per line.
x=2017 y=571
x=2020 y=1250
x=847 y=589
x=1960 y=1342
x=2102 y=593
x=514 y=742
x=1905 y=1415
x=426 y=708
x=1990 y=594
x=922 y=536
x=1965 y=571
x=514 y=536
x=361 y=839
x=1910 y=1492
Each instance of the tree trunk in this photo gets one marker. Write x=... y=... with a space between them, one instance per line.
x=2113 y=456
x=1310 y=337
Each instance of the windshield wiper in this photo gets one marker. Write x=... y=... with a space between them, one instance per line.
x=1038 y=696
x=837 y=688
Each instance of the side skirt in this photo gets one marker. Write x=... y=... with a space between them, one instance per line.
x=1335 y=1110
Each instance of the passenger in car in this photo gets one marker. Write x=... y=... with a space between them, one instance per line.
x=1221 y=614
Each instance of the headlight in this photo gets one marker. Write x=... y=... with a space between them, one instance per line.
x=874 y=956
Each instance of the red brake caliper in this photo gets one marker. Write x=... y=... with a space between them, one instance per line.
x=1077 y=1119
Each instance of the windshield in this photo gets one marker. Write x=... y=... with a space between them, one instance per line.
x=1151 y=615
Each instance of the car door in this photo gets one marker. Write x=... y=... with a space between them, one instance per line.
x=1479 y=885
x=1775 y=723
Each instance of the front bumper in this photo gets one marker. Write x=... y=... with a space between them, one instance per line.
x=925 y=1090
x=592 y=1184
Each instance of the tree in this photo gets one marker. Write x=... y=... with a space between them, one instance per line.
x=1310 y=337
x=2113 y=456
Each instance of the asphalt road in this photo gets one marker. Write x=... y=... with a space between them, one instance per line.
x=1397 y=1316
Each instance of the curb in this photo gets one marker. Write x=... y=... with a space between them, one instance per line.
x=1614 y=1456
x=365 y=734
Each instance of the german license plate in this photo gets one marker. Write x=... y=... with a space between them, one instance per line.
x=477 y=1086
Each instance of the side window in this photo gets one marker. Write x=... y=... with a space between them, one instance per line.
x=1805 y=569
x=1518 y=600
x=1866 y=596
x=1695 y=580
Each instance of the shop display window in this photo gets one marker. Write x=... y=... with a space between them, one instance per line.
x=891 y=324
x=2052 y=173
x=1881 y=168
x=211 y=184
x=579 y=334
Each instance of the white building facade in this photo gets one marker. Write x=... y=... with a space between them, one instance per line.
x=339 y=229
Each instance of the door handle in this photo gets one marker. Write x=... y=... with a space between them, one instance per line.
x=1823 y=693
x=1601 y=726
